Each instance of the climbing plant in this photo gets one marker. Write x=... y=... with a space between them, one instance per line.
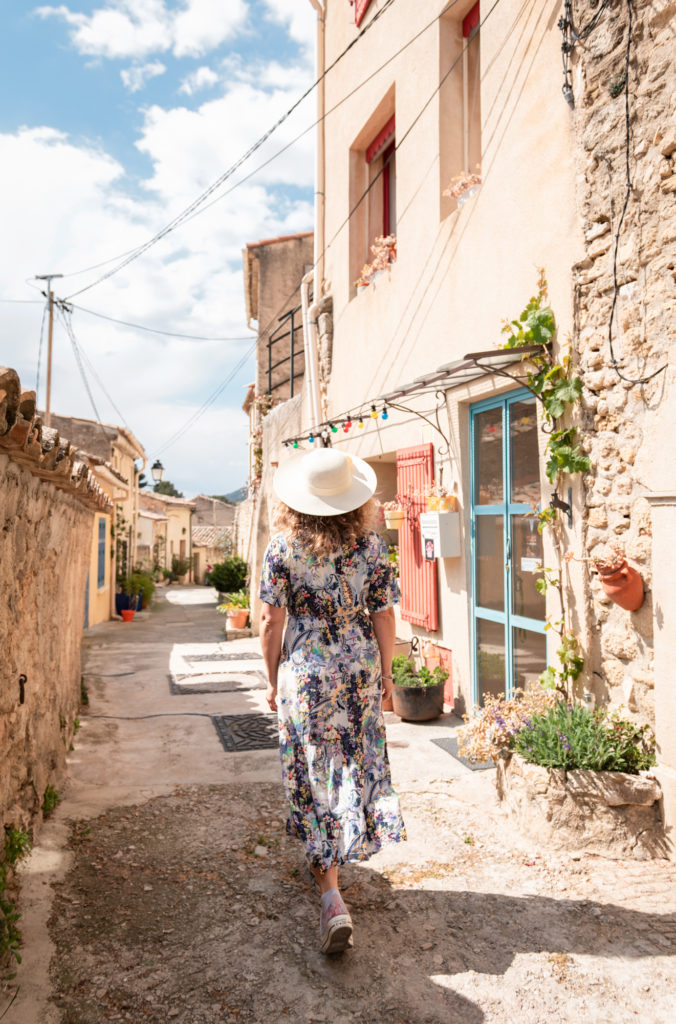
x=557 y=389
x=17 y=844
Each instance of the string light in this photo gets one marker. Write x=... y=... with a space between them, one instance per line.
x=311 y=438
x=295 y=444
x=325 y=435
x=349 y=423
x=373 y=414
x=385 y=414
x=360 y=425
x=334 y=428
x=346 y=429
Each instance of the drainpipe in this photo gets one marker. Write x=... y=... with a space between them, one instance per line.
x=317 y=275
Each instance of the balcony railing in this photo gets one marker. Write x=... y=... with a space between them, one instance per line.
x=288 y=335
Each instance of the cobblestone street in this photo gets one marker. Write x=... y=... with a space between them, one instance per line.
x=165 y=887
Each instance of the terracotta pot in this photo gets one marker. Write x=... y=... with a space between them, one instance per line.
x=624 y=586
x=441 y=503
x=418 y=703
x=128 y=614
x=237 y=620
x=394 y=519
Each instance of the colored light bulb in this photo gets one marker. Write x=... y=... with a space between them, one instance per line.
x=349 y=424
x=385 y=414
x=361 y=424
x=334 y=428
x=373 y=414
x=295 y=444
x=311 y=439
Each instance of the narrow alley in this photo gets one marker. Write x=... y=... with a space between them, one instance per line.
x=165 y=888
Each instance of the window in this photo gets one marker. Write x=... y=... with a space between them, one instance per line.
x=459 y=99
x=101 y=564
x=381 y=161
x=372 y=196
x=360 y=9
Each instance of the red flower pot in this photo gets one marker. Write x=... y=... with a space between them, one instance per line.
x=237 y=620
x=624 y=586
x=127 y=614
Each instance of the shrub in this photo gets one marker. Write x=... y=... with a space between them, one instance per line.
x=180 y=566
x=491 y=728
x=235 y=602
x=572 y=736
x=404 y=673
x=230 y=575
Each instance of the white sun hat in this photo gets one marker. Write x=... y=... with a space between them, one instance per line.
x=324 y=482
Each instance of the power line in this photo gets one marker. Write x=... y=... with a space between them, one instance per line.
x=25 y=302
x=157 y=330
x=65 y=320
x=173 y=224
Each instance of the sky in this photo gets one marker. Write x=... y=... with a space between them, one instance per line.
x=117 y=115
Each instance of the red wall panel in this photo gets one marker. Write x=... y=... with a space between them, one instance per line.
x=418 y=577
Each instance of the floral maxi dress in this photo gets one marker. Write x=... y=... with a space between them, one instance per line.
x=335 y=767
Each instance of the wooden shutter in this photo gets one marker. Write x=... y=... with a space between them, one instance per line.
x=418 y=577
x=360 y=8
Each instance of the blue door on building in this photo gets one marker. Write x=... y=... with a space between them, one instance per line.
x=508 y=613
x=86 y=612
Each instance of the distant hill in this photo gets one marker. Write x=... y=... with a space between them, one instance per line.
x=234 y=497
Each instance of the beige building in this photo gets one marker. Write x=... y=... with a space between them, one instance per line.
x=174 y=536
x=405 y=371
x=210 y=545
x=112 y=454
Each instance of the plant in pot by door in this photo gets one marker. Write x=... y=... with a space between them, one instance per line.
x=127 y=596
x=417 y=694
x=394 y=515
x=236 y=608
x=180 y=568
x=621 y=582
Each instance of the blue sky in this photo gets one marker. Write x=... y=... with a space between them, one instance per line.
x=117 y=115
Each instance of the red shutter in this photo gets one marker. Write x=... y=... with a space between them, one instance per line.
x=415 y=470
x=470 y=21
x=360 y=9
x=381 y=138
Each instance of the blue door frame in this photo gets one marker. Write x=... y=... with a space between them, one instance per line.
x=506 y=509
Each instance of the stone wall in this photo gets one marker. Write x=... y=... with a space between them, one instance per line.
x=625 y=422
x=46 y=500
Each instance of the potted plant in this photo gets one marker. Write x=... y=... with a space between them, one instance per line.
x=417 y=694
x=127 y=596
x=394 y=514
x=384 y=251
x=621 y=582
x=463 y=186
x=180 y=568
x=439 y=499
x=147 y=583
x=236 y=608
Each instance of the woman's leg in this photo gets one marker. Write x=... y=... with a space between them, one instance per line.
x=326 y=879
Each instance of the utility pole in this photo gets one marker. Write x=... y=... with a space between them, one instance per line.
x=50 y=299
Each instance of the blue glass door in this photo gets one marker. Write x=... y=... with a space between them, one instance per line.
x=508 y=613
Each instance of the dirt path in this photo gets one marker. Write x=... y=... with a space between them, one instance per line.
x=191 y=904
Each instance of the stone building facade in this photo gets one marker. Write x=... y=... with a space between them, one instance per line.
x=48 y=497
x=625 y=295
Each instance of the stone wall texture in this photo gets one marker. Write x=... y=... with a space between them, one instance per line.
x=46 y=502
x=625 y=421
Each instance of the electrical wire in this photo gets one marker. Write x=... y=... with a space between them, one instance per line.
x=25 y=302
x=173 y=224
x=193 y=419
x=65 y=320
x=157 y=330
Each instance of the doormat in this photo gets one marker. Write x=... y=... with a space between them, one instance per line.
x=247 y=732
x=450 y=745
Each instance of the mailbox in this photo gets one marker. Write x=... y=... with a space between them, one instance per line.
x=440 y=535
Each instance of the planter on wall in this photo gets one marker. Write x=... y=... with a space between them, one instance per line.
x=624 y=586
x=394 y=520
x=418 y=703
x=613 y=814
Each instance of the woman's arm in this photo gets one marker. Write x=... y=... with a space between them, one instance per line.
x=385 y=629
x=271 y=630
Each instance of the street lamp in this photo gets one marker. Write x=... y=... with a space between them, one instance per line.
x=157 y=470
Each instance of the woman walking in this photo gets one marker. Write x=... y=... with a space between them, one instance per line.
x=327 y=573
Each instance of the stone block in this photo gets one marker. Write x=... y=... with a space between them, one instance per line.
x=669 y=184
x=620 y=644
x=597 y=517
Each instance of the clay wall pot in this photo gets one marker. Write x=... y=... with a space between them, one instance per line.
x=394 y=520
x=127 y=614
x=624 y=586
x=237 y=620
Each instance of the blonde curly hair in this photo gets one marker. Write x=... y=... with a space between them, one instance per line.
x=322 y=535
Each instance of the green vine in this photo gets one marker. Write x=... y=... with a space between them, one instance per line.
x=557 y=389
x=17 y=845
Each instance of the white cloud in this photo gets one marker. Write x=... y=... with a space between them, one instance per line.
x=299 y=20
x=202 y=78
x=138 y=28
x=135 y=78
x=68 y=204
